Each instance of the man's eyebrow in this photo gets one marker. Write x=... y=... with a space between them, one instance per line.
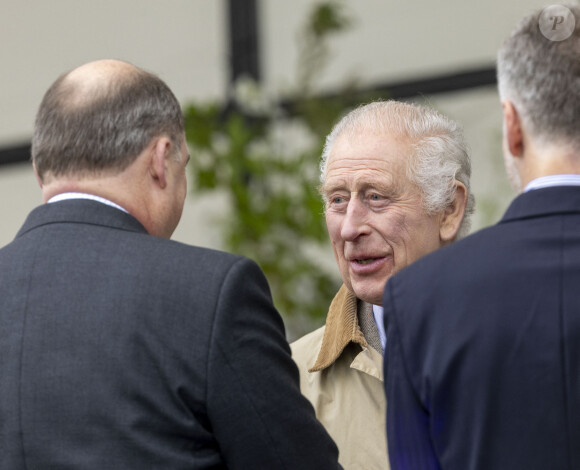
x=378 y=185
x=327 y=187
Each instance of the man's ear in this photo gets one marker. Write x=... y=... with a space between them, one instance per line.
x=453 y=214
x=160 y=151
x=513 y=129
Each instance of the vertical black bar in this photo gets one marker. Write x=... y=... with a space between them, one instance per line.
x=244 y=41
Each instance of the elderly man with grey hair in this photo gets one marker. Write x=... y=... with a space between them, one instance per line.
x=395 y=180
x=483 y=356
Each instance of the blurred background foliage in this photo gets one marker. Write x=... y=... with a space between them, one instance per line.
x=262 y=152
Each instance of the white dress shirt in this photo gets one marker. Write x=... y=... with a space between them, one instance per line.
x=553 y=180
x=92 y=197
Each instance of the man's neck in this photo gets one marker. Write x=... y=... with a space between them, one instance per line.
x=544 y=160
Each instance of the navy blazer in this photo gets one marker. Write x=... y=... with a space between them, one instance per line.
x=483 y=351
x=120 y=350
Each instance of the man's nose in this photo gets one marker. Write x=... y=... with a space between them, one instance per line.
x=355 y=219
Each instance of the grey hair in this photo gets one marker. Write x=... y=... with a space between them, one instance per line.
x=106 y=128
x=541 y=77
x=439 y=156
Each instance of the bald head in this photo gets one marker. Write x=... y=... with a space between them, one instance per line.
x=93 y=80
x=98 y=118
x=101 y=69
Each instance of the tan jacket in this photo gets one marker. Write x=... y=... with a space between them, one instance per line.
x=343 y=379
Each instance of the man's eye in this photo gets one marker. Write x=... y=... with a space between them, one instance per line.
x=377 y=200
x=337 y=202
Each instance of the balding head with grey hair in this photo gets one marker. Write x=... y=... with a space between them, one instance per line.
x=115 y=131
x=100 y=116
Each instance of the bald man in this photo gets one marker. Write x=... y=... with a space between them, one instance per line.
x=120 y=348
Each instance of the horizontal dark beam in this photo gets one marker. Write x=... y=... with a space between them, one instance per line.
x=16 y=154
x=401 y=90
x=441 y=84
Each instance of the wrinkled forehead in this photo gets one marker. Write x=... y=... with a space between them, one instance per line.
x=369 y=160
x=365 y=152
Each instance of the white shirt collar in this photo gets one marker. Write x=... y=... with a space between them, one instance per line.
x=553 y=180
x=378 y=313
x=92 y=197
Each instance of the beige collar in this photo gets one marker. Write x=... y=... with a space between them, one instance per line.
x=341 y=329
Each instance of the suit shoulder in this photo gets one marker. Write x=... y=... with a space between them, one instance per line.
x=205 y=268
x=182 y=251
x=446 y=260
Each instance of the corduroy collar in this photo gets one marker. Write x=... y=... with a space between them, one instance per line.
x=341 y=329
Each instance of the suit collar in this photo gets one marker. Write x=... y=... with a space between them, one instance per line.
x=80 y=211
x=543 y=202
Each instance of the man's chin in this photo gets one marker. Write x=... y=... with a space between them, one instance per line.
x=372 y=296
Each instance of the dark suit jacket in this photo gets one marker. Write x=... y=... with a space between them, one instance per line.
x=119 y=350
x=483 y=348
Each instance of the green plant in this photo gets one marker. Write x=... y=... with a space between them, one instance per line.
x=264 y=154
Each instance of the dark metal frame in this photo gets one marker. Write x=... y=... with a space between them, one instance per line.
x=15 y=154
x=244 y=51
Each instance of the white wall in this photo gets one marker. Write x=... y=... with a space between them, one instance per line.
x=183 y=41
x=393 y=40
x=19 y=194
